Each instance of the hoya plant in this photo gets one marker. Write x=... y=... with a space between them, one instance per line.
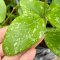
x=27 y=22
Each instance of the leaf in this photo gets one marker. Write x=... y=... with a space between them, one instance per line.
x=23 y=32
x=2 y=11
x=54 y=13
x=36 y=6
x=52 y=40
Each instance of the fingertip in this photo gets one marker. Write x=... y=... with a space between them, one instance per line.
x=29 y=55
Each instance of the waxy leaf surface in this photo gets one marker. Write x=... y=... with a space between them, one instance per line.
x=23 y=32
x=36 y=6
x=54 y=13
x=52 y=39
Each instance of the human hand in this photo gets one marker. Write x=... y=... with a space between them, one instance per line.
x=29 y=55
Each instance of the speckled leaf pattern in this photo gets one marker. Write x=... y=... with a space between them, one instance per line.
x=23 y=32
x=2 y=11
x=54 y=14
x=52 y=39
x=36 y=6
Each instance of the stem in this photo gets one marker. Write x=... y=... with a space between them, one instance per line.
x=9 y=16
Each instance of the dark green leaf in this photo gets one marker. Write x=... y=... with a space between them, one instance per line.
x=54 y=13
x=52 y=39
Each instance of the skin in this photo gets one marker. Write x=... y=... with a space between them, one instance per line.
x=28 y=55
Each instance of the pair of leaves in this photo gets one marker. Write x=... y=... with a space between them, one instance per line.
x=2 y=11
x=52 y=37
x=23 y=32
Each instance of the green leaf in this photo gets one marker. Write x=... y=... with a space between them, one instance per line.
x=23 y=32
x=52 y=40
x=54 y=13
x=2 y=11
x=36 y=6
